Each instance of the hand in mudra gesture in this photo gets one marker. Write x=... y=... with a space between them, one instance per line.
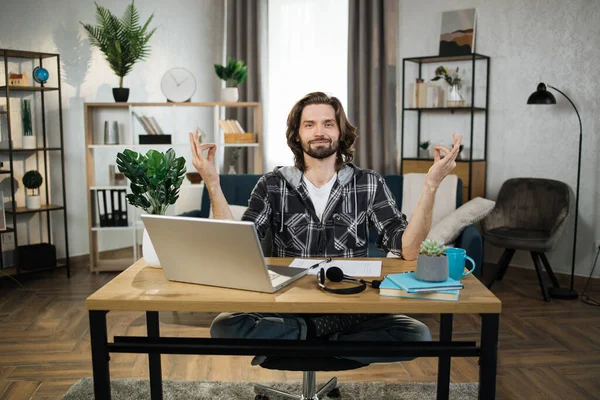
x=204 y=165
x=443 y=166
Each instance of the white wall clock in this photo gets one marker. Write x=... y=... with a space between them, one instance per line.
x=178 y=85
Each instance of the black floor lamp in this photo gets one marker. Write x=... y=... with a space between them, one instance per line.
x=542 y=96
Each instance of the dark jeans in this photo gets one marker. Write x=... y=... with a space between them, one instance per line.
x=385 y=327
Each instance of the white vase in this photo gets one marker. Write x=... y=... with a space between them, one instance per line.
x=32 y=202
x=29 y=142
x=148 y=251
x=229 y=95
x=454 y=98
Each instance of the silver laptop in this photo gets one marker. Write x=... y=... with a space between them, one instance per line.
x=216 y=253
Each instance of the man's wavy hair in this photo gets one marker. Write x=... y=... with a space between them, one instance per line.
x=348 y=134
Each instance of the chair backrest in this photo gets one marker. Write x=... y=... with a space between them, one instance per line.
x=532 y=203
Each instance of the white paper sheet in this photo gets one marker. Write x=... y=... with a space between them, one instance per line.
x=354 y=268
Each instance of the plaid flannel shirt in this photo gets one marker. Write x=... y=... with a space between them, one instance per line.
x=358 y=199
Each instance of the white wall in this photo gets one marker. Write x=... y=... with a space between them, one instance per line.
x=189 y=34
x=532 y=41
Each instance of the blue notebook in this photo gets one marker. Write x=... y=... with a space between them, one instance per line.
x=410 y=283
x=388 y=288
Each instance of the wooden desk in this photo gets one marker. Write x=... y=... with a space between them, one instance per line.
x=140 y=288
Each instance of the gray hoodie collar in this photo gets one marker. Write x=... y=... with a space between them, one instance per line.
x=294 y=176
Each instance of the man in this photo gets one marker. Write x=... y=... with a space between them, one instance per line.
x=322 y=206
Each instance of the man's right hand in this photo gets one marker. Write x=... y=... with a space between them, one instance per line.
x=204 y=165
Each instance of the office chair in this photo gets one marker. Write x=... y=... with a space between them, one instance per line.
x=308 y=366
x=530 y=215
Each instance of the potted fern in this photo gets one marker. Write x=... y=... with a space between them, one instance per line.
x=155 y=179
x=123 y=41
x=32 y=180
x=233 y=73
x=432 y=263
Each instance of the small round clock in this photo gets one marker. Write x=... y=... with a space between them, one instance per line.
x=40 y=75
x=178 y=85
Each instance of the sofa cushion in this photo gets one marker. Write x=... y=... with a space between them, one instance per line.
x=449 y=228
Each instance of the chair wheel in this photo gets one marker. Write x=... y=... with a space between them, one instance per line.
x=261 y=397
x=334 y=393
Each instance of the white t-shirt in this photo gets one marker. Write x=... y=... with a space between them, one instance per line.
x=319 y=196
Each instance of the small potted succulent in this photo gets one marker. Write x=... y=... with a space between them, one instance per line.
x=432 y=263
x=32 y=180
x=424 y=149
x=233 y=73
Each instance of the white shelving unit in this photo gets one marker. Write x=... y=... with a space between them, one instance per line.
x=99 y=154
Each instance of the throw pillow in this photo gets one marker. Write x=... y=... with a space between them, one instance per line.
x=448 y=229
x=237 y=211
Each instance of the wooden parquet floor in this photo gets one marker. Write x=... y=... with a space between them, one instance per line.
x=546 y=350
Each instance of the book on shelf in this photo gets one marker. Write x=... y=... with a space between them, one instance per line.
x=149 y=124
x=231 y=126
x=426 y=95
x=408 y=282
x=390 y=289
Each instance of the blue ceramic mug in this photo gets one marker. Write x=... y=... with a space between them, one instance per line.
x=456 y=263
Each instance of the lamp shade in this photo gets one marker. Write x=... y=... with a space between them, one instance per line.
x=541 y=96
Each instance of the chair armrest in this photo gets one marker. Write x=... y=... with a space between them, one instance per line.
x=471 y=241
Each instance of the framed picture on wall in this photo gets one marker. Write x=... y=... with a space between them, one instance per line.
x=458 y=33
x=2 y=213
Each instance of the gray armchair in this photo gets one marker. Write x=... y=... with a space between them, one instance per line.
x=530 y=215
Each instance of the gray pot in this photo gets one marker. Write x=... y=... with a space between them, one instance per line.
x=432 y=269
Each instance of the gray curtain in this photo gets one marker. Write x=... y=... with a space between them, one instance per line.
x=372 y=41
x=243 y=28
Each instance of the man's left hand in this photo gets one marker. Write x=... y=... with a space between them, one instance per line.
x=442 y=166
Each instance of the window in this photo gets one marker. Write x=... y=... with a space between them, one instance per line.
x=307 y=52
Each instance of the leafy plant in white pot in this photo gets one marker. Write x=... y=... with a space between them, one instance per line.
x=32 y=180
x=155 y=180
x=432 y=263
x=233 y=73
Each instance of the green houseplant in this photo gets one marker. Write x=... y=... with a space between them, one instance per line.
x=233 y=73
x=432 y=263
x=424 y=149
x=32 y=180
x=26 y=120
x=122 y=40
x=155 y=179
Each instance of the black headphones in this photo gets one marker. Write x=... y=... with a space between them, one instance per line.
x=335 y=274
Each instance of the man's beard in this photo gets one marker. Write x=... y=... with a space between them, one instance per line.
x=321 y=151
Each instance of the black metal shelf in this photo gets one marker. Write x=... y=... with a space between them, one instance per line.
x=7 y=230
x=29 y=88
x=452 y=109
x=11 y=53
x=469 y=111
x=431 y=159
x=30 y=150
x=48 y=140
x=25 y=210
x=433 y=59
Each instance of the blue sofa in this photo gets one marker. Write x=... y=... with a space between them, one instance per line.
x=237 y=190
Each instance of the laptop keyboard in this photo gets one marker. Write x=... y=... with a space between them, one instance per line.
x=277 y=279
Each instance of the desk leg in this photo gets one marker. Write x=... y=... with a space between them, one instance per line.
x=489 y=356
x=443 y=384
x=99 y=342
x=154 y=358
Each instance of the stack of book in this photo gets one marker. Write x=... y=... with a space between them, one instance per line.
x=407 y=285
x=234 y=133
